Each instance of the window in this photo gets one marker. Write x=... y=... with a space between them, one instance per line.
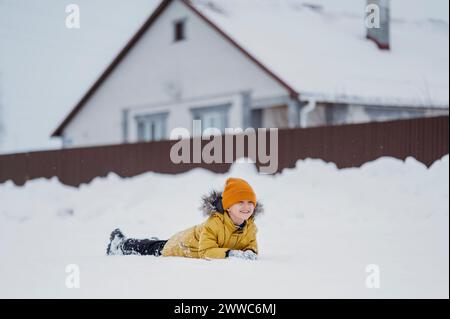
x=212 y=117
x=179 y=30
x=151 y=127
x=66 y=141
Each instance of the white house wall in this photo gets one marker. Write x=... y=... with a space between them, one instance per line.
x=159 y=74
x=181 y=112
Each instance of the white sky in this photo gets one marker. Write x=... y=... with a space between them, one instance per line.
x=45 y=67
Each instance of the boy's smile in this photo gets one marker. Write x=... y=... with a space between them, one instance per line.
x=241 y=211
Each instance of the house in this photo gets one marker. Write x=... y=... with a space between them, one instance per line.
x=265 y=63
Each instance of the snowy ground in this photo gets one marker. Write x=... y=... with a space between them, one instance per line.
x=321 y=228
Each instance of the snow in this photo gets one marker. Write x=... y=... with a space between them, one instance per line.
x=321 y=228
x=323 y=53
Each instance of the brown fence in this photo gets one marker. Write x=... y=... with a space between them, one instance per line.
x=425 y=139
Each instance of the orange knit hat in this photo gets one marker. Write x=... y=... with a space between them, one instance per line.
x=236 y=189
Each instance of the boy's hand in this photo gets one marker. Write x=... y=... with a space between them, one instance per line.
x=247 y=254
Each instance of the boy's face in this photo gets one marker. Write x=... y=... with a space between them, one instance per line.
x=241 y=211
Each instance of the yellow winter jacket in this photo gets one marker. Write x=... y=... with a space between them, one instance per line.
x=213 y=238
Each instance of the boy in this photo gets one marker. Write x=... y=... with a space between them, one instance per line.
x=229 y=231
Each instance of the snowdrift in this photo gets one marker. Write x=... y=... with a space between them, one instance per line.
x=321 y=229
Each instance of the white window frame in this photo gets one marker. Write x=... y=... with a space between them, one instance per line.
x=199 y=113
x=149 y=121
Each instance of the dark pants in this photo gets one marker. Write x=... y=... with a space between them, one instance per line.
x=143 y=247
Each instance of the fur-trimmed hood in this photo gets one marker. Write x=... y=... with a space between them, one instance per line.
x=212 y=203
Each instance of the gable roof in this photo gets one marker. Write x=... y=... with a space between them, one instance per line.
x=153 y=17
x=317 y=49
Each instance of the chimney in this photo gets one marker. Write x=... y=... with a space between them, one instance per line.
x=377 y=23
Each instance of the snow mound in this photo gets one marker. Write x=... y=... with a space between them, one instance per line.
x=321 y=228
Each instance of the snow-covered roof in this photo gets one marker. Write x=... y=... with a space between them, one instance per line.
x=319 y=47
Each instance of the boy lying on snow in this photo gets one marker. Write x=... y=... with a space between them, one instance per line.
x=229 y=231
